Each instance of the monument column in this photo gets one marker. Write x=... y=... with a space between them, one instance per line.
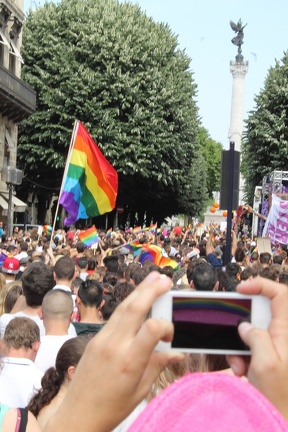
x=238 y=71
x=238 y=68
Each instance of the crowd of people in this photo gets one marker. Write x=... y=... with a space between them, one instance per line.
x=77 y=343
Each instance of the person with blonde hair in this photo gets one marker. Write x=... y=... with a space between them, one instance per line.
x=3 y=294
x=14 y=292
x=2 y=281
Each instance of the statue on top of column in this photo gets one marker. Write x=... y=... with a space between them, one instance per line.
x=238 y=39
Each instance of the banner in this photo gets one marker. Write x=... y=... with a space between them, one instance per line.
x=276 y=226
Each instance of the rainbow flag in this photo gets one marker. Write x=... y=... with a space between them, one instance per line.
x=137 y=230
x=153 y=253
x=47 y=229
x=134 y=247
x=168 y=262
x=91 y=183
x=89 y=236
x=153 y=228
x=109 y=232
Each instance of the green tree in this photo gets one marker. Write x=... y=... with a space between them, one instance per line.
x=265 y=143
x=212 y=151
x=120 y=73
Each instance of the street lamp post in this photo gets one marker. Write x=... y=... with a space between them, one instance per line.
x=12 y=177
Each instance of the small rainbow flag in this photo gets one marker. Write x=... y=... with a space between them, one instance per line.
x=153 y=253
x=137 y=230
x=89 y=237
x=109 y=232
x=134 y=247
x=47 y=229
x=153 y=228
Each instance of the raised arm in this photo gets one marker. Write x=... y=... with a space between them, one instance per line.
x=209 y=245
x=234 y=243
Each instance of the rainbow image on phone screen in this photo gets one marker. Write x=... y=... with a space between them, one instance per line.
x=203 y=323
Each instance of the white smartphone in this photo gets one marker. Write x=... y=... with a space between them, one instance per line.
x=207 y=322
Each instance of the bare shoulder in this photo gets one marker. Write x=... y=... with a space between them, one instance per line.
x=10 y=419
x=33 y=425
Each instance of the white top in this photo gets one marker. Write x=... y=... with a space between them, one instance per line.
x=21 y=255
x=83 y=275
x=173 y=252
x=19 y=380
x=63 y=287
x=6 y=318
x=48 y=350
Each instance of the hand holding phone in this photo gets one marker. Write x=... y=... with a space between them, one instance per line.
x=207 y=322
x=268 y=367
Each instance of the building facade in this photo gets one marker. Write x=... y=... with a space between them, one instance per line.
x=17 y=99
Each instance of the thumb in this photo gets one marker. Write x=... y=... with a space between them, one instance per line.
x=258 y=340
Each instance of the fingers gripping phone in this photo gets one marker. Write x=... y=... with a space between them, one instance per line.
x=207 y=322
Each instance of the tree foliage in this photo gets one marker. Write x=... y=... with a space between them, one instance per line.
x=212 y=152
x=265 y=143
x=120 y=73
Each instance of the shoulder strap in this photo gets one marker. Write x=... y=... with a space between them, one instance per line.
x=22 y=419
x=18 y=420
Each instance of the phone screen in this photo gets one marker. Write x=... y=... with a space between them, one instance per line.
x=209 y=323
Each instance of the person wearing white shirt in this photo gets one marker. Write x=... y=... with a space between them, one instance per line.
x=19 y=377
x=83 y=267
x=22 y=251
x=37 y=280
x=56 y=313
x=168 y=250
x=64 y=274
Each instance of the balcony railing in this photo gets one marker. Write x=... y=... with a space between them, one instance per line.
x=17 y=99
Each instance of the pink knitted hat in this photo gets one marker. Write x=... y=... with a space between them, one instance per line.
x=210 y=402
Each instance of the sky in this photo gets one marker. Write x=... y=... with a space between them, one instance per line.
x=203 y=29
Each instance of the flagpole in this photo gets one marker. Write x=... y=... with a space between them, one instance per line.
x=65 y=173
